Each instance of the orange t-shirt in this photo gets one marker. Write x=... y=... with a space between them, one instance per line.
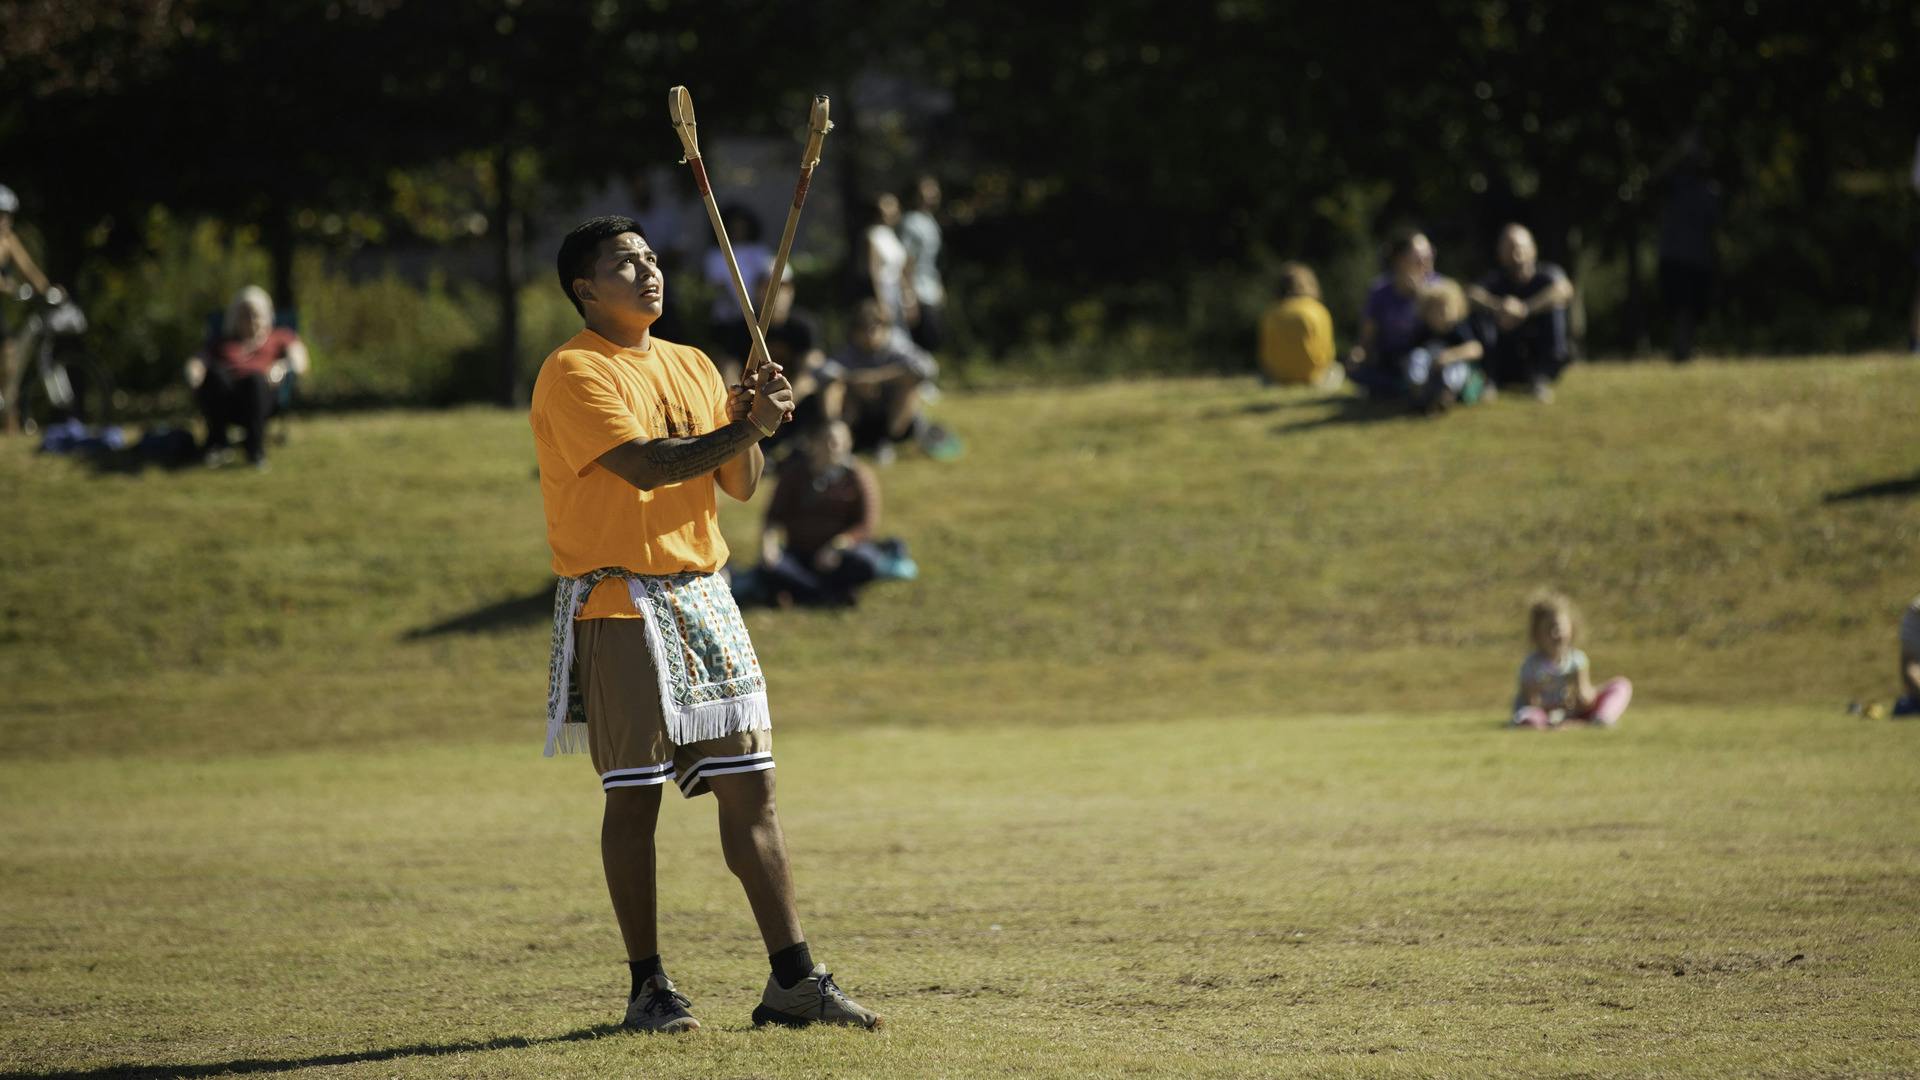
x=592 y=395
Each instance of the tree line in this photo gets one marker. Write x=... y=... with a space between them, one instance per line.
x=1125 y=163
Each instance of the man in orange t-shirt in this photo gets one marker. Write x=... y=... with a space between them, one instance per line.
x=633 y=436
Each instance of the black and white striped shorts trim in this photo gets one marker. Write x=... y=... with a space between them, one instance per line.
x=721 y=766
x=644 y=776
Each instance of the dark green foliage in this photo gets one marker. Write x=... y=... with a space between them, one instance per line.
x=1122 y=175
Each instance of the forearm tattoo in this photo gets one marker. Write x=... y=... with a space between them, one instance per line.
x=675 y=459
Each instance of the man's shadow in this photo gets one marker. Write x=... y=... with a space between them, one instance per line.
x=263 y=1065
x=1879 y=489
x=510 y=614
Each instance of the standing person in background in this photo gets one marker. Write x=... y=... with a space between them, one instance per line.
x=920 y=235
x=1688 y=219
x=886 y=264
x=15 y=260
x=1525 y=301
x=1390 y=322
x=1296 y=333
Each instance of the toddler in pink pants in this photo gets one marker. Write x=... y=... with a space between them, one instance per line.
x=1555 y=687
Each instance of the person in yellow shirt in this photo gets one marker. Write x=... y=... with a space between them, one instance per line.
x=1296 y=333
x=651 y=670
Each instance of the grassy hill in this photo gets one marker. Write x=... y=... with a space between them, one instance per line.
x=1139 y=550
x=1180 y=759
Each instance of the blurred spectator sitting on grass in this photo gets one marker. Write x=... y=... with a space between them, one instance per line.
x=920 y=237
x=818 y=545
x=1442 y=370
x=1556 y=686
x=887 y=378
x=726 y=326
x=1296 y=333
x=237 y=375
x=1909 y=701
x=1390 y=322
x=886 y=264
x=1524 y=304
x=793 y=339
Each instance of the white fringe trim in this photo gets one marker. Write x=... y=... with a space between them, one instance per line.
x=711 y=720
x=564 y=737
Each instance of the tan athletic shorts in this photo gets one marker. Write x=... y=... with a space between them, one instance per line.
x=625 y=730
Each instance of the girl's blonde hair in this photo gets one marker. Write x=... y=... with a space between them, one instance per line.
x=1445 y=296
x=1545 y=604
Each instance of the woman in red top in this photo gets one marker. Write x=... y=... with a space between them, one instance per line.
x=236 y=375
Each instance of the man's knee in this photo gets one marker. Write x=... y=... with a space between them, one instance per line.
x=634 y=808
x=744 y=797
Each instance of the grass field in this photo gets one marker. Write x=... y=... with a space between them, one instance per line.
x=1182 y=759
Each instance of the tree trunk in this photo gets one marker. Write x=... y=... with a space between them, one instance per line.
x=279 y=236
x=508 y=237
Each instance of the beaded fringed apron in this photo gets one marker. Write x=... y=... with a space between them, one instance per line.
x=710 y=680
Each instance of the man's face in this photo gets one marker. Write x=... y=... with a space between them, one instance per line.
x=626 y=278
x=1517 y=252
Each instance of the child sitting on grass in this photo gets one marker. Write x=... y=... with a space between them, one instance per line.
x=1443 y=370
x=1555 y=687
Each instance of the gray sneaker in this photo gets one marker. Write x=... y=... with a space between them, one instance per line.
x=813 y=1000
x=659 y=1008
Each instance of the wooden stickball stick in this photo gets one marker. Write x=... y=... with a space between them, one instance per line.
x=680 y=110
x=817 y=127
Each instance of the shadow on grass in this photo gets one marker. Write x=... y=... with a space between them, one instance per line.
x=245 y=1066
x=1265 y=408
x=535 y=608
x=1880 y=489
x=1350 y=410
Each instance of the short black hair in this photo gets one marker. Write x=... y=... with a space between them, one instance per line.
x=578 y=249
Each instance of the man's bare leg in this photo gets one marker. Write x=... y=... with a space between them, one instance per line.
x=799 y=992
x=626 y=851
x=756 y=852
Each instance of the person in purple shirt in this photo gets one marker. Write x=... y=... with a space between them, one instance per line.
x=1390 y=322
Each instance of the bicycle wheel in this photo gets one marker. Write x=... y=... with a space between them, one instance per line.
x=57 y=389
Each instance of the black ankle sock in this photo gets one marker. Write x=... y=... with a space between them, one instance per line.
x=642 y=971
x=791 y=964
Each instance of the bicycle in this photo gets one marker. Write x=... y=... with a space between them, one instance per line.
x=49 y=378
